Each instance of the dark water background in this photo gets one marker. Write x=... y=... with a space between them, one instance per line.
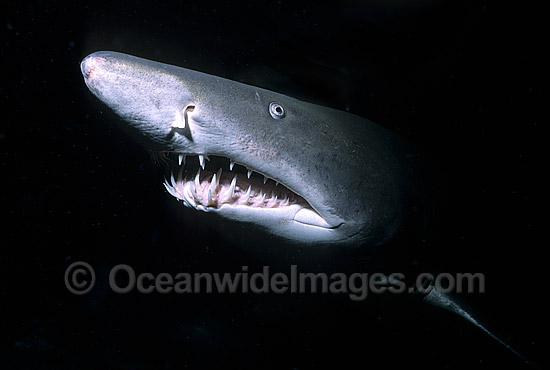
x=460 y=79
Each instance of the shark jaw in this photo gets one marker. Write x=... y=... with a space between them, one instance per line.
x=211 y=183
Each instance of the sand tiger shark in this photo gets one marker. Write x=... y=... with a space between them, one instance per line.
x=307 y=173
x=304 y=172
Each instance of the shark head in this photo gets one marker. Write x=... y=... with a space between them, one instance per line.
x=307 y=173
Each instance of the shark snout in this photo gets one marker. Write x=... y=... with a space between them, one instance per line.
x=90 y=64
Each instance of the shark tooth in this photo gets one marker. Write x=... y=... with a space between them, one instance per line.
x=165 y=183
x=272 y=202
x=201 y=160
x=232 y=186
x=213 y=183
x=172 y=180
x=265 y=180
x=231 y=164
x=229 y=196
x=263 y=197
x=197 y=180
x=181 y=159
x=219 y=177
x=247 y=195
x=170 y=189
x=249 y=173
x=193 y=192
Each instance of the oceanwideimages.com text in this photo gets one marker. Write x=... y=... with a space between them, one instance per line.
x=80 y=279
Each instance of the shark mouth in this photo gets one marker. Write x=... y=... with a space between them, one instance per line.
x=209 y=183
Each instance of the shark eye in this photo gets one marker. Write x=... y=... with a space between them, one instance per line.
x=276 y=110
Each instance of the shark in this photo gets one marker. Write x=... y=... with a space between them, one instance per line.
x=309 y=174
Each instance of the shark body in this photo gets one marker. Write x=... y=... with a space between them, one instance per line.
x=307 y=173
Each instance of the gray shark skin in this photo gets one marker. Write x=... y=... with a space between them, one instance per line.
x=329 y=177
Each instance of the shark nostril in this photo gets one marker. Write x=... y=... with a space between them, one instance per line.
x=190 y=108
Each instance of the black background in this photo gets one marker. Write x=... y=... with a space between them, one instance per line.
x=457 y=78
